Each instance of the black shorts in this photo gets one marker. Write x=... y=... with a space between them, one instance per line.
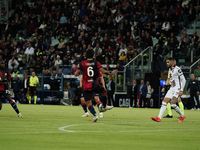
x=4 y=94
x=32 y=90
x=97 y=88
x=89 y=95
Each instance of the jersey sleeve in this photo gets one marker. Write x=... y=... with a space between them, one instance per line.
x=9 y=75
x=99 y=74
x=180 y=72
x=99 y=65
x=80 y=66
x=37 y=80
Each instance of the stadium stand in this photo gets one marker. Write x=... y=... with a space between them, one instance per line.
x=57 y=33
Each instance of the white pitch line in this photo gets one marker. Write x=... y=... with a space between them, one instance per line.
x=73 y=125
x=29 y=133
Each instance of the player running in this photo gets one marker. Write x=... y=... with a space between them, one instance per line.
x=165 y=89
x=5 y=82
x=176 y=90
x=90 y=70
x=96 y=98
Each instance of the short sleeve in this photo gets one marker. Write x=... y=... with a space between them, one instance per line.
x=99 y=74
x=9 y=75
x=180 y=72
x=99 y=65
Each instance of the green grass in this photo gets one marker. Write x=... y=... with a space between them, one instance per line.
x=120 y=129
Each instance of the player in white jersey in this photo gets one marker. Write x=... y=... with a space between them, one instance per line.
x=176 y=90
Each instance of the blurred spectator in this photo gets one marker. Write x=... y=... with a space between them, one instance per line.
x=142 y=93
x=58 y=62
x=13 y=63
x=150 y=90
x=71 y=92
x=74 y=69
x=29 y=51
x=16 y=86
x=21 y=57
x=123 y=49
x=197 y=71
x=120 y=73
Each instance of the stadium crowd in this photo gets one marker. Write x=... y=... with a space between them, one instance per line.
x=117 y=30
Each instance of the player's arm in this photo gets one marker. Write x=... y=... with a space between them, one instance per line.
x=107 y=72
x=81 y=81
x=9 y=83
x=78 y=72
x=182 y=80
x=37 y=81
x=102 y=81
x=167 y=82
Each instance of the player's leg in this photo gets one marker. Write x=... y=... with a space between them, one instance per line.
x=84 y=106
x=120 y=79
x=30 y=95
x=181 y=106
x=97 y=100
x=0 y=104
x=92 y=110
x=192 y=101
x=197 y=99
x=177 y=109
x=166 y=100
x=88 y=95
x=104 y=100
x=35 y=95
x=169 y=110
x=13 y=104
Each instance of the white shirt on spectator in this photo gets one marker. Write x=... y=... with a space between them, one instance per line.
x=122 y=50
x=166 y=26
x=29 y=51
x=42 y=26
x=81 y=27
x=119 y=18
x=10 y=62
x=58 y=62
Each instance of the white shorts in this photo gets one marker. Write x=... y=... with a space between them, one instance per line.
x=172 y=93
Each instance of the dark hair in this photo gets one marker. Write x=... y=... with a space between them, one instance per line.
x=89 y=53
x=171 y=59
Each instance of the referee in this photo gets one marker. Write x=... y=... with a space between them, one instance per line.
x=33 y=82
x=194 y=91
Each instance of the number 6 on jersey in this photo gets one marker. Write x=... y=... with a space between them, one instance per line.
x=90 y=72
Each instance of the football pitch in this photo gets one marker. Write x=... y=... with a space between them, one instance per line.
x=48 y=127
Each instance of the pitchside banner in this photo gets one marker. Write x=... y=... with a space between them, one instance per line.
x=48 y=97
x=122 y=99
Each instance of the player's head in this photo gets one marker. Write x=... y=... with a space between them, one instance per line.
x=142 y=81
x=33 y=74
x=170 y=62
x=90 y=54
x=134 y=82
x=192 y=77
x=2 y=63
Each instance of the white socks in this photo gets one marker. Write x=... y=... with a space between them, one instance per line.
x=162 y=109
x=177 y=109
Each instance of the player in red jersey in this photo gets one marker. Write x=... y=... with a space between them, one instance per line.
x=5 y=80
x=96 y=97
x=90 y=70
